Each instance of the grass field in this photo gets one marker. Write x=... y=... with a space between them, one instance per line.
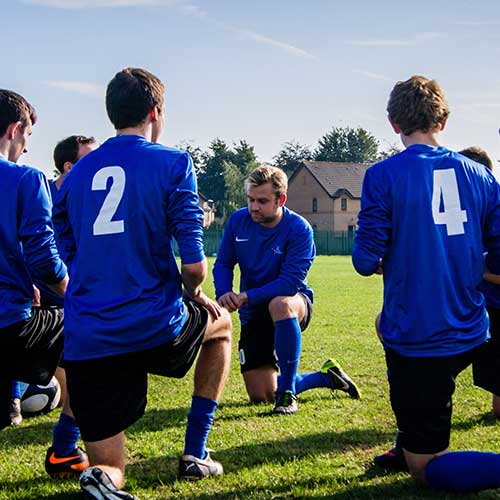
x=324 y=451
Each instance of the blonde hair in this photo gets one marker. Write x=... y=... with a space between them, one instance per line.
x=274 y=175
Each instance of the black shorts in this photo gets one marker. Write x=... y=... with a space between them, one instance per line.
x=30 y=351
x=421 y=391
x=109 y=394
x=256 y=345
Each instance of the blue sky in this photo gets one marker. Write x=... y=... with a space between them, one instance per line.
x=263 y=71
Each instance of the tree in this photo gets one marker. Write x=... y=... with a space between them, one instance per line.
x=195 y=152
x=391 y=150
x=223 y=172
x=346 y=144
x=292 y=154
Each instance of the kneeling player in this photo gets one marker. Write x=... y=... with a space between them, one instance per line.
x=274 y=249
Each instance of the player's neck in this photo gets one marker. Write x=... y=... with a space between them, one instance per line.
x=4 y=148
x=143 y=130
x=418 y=137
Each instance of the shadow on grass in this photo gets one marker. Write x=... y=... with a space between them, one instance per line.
x=272 y=452
x=29 y=433
x=486 y=419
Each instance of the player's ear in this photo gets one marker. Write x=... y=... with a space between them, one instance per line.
x=154 y=113
x=67 y=166
x=282 y=199
x=442 y=125
x=12 y=130
x=395 y=126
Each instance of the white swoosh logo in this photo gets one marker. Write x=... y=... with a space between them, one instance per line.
x=241 y=239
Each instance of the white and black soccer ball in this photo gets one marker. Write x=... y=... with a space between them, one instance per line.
x=39 y=399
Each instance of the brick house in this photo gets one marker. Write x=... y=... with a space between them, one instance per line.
x=208 y=210
x=327 y=194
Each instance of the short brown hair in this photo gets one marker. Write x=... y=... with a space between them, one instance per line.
x=131 y=95
x=14 y=108
x=478 y=154
x=67 y=150
x=265 y=173
x=417 y=104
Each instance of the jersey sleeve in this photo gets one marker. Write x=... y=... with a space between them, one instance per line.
x=66 y=240
x=374 y=224
x=35 y=229
x=223 y=271
x=299 y=256
x=492 y=230
x=185 y=214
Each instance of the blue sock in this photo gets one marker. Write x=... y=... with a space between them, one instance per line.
x=397 y=443
x=287 y=342
x=15 y=391
x=306 y=381
x=199 y=423
x=65 y=435
x=464 y=471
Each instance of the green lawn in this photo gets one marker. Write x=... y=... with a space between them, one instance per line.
x=322 y=452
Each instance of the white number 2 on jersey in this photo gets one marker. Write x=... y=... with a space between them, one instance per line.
x=103 y=223
x=446 y=186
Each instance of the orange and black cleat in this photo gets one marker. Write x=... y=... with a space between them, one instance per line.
x=71 y=465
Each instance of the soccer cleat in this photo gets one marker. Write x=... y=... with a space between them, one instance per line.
x=286 y=403
x=97 y=485
x=339 y=378
x=392 y=460
x=69 y=466
x=192 y=468
x=15 y=411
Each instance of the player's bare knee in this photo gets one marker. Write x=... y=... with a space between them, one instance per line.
x=220 y=329
x=281 y=308
x=257 y=397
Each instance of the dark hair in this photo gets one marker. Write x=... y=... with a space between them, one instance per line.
x=478 y=154
x=14 y=108
x=131 y=95
x=67 y=150
x=417 y=104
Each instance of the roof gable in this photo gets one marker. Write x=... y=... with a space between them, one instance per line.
x=338 y=177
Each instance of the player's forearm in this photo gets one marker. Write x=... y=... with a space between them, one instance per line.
x=223 y=279
x=60 y=288
x=364 y=262
x=193 y=275
x=276 y=288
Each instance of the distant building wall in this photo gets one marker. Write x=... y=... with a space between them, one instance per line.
x=301 y=193
x=347 y=217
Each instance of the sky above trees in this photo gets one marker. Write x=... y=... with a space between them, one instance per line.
x=262 y=72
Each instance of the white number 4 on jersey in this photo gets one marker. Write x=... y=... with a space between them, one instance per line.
x=446 y=188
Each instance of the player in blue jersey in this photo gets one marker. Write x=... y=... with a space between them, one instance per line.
x=274 y=250
x=425 y=214
x=394 y=458
x=129 y=311
x=31 y=338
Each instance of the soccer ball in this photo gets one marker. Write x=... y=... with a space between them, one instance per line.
x=38 y=399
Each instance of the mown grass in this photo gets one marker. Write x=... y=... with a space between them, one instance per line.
x=324 y=451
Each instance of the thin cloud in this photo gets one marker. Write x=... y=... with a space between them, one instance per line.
x=83 y=88
x=290 y=49
x=187 y=9
x=476 y=23
x=419 y=39
x=95 y=4
x=195 y=11
x=374 y=76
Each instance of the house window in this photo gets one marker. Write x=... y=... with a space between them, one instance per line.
x=315 y=205
x=343 y=203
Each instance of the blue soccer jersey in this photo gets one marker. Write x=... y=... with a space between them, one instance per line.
x=428 y=212
x=119 y=209
x=49 y=297
x=28 y=250
x=273 y=261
